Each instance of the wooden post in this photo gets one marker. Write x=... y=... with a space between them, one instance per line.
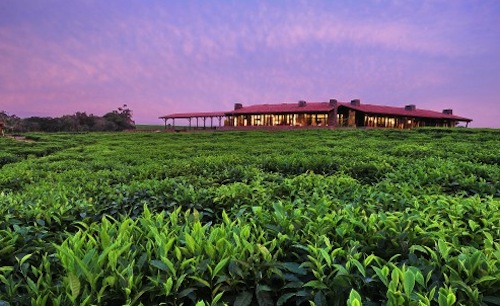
x=351 y=120
x=333 y=114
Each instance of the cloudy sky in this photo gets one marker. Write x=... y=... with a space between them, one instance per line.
x=159 y=57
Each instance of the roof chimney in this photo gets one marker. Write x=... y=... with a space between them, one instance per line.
x=448 y=111
x=333 y=102
x=302 y=103
x=237 y=106
x=355 y=102
x=410 y=107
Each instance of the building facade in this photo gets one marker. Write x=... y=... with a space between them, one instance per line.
x=340 y=114
x=330 y=114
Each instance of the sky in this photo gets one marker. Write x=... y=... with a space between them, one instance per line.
x=160 y=57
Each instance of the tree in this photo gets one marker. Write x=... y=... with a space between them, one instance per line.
x=121 y=118
x=11 y=122
x=117 y=120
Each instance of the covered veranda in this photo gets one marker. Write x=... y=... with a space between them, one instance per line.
x=200 y=119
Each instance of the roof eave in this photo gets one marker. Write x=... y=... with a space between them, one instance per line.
x=278 y=112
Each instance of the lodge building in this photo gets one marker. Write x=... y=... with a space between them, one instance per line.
x=324 y=114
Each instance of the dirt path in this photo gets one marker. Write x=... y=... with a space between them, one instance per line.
x=20 y=138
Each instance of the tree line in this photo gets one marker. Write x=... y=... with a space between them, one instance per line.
x=116 y=120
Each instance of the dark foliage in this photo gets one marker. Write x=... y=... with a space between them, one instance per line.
x=117 y=120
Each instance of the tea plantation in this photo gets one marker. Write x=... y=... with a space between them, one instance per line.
x=302 y=217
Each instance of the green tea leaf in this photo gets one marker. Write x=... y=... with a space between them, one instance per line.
x=74 y=285
x=320 y=299
x=473 y=225
x=486 y=278
x=495 y=300
x=201 y=281
x=443 y=248
x=279 y=210
x=216 y=299
x=451 y=298
x=295 y=267
x=32 y=286
x=264 y=251
x=316 y=284
x=358 y=265
x=244 y=299
x=354 y=299
x=190 y=243
x=220 y=266
x=382 y=275
x=24 y=259
x=160 y=265
x=409 y=282
x=264 y=297
x=326 y=257
x=168 y=285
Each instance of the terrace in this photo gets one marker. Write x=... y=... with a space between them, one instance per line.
x=197 y=116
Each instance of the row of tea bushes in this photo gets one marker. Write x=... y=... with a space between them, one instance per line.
x=309 y=230
x=289 y=254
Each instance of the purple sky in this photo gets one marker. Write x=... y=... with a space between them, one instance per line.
x=159 y=57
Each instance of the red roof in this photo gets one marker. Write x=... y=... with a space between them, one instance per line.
x=401 y=111
x=320 y=107
x=283 y=108
x=193 y=115
x=324 y=107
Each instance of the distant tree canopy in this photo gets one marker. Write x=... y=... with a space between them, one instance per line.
x=116 y=120
x=121 y=118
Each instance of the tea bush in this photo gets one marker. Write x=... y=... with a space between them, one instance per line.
x=301 y=217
